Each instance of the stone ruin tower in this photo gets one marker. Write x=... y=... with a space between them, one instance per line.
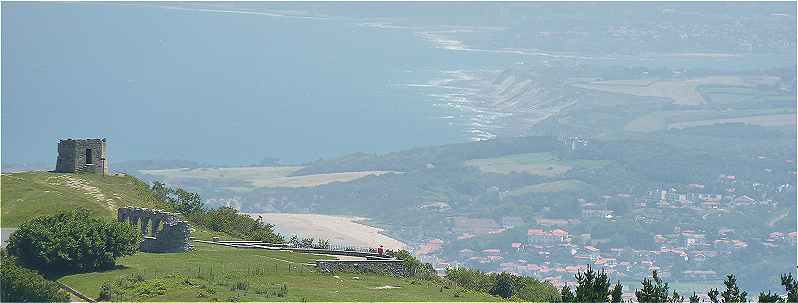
x=82 y=155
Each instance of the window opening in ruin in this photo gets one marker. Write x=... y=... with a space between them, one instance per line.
x=88 y=156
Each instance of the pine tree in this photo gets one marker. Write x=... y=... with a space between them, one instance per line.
x=769 y=298
x=791 y=286
x=713 y=295
x=732 y=294
x=694 y=298
x=616 y=296
x=593 y=286
x=567 y=295
x=654 y=290
x=676 y=298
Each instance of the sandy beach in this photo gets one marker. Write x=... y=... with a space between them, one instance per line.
x=338 y=229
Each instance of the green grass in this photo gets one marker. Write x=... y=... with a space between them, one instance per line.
x=26 y=195
x=542 y=164
x=30 y=194
x=556 y=186
x=211 y=272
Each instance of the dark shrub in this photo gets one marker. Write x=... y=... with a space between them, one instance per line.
x=24 y=285
x=72 y=241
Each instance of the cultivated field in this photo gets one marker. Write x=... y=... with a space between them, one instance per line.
x=556 y=186
x=217 y=273
x=541 y=164
x=264 y=176
x=675 y=119
x=337 y=229
x=240 y=173
x=682 y=92
x=763 y=120
x=314 y=180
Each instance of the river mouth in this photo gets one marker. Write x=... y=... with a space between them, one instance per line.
x=339 y=230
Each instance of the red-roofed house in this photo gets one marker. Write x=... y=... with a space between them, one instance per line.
x=552 y=237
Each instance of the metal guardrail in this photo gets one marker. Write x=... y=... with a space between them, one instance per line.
x=75 y=292
x=365 y=253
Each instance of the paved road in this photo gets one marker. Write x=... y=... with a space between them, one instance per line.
x=5 y=233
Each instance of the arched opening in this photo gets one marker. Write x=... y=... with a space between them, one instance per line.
x=157 y=226
x=145 y=222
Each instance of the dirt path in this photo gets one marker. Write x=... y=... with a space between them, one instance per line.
x=85 y=187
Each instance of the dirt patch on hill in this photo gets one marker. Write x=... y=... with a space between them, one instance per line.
x=85 y=187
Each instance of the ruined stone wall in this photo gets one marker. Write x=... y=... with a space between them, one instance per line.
x=163 y=231
x=394 y=268
x=72 y=156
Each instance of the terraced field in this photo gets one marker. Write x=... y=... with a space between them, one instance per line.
x=762 y=120
x=256 y=177
x=556 y=186
x=682 y=118
x=541 y=164
x=682 y=92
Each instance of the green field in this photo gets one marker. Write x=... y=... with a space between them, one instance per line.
x=542 y=164
x=248 y=178
x=660 y=120
x=30 y=194
x=27 y=195
x=218 y=273
x=556 y=186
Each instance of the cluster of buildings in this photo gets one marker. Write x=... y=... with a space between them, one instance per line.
x=550 y=252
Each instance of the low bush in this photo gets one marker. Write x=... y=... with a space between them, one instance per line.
x=20 y=284
x=72 y=241
x=503 y=284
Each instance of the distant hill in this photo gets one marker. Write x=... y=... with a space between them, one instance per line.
x=426 y=157
x=136 y=165
x=18 y=167
x=29 y=194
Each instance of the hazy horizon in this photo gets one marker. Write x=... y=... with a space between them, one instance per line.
x=233 y=83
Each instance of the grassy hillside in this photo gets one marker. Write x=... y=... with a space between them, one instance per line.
x=208 y=273
x=29 y=194
x=211 y=273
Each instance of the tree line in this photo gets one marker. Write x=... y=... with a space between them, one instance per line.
x=591 y=286
x=224 y=219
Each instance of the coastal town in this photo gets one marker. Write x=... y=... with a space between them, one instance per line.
x=682 y=250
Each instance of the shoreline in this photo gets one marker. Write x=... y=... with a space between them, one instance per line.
x=339 y=230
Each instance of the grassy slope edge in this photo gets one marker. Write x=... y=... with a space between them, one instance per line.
x=27 y=195
x=207 y=273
